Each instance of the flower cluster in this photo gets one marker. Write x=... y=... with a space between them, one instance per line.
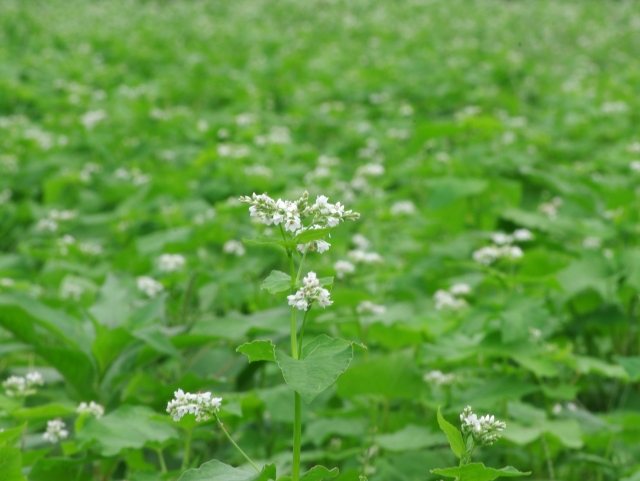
x=343 y=267
x=290 y=214
x=503 y=247
x=449 y=299
x=55 y=431
x=438 y=378
x=17 y=386
x=310 y=292
x=149 y=286
x=92 y=408
x=171 y=262
x=485 y=430
x=368 y=307
x=200 y=404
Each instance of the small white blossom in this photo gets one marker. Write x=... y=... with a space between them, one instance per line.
x=550 y=209
x=460 y=289
x=405 y=207
x=47 y=225
x=592 y=243
x=485 y=430
x=486 y=255
x=234 y=247
x=71 y=291
x=200 y=404
x=17 y=386
x=635 y=165
x=62 y=215
x=343 y=267
x=557 y=409
x=310 y=292
x=92 y=408
x=171 y=262
x=446 y=300
x=55 y=431
x=438 y=378
x=500 y=238
x=245 y=119
x=91 y=119
x=361 y=242
x=279 y=135
x=368 y=307
x=372 y=170
x=149 y=286
x=443 y=157
x=406 y=110
x=7 y=282
x=359 y=256
x=522 y=235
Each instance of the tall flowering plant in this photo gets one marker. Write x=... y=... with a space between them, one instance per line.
x=310 y=368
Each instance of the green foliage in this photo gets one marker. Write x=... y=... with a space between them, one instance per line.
x=453 y=436
x=217 y=471
x=478 y=472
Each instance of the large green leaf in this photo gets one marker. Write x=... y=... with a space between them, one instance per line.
x=410 y=438
x=324 y=359
x=11 y=464
x=453 y=436
x=217 y=471
x=155 y=338
x=317 y=473
x=127 y=427
x=112 y=306
x=258 y=351
x=264 y=240
x=156 y=241
x=58 y=469
x=312 y=235
x=277 y=282
x=478 y=472
x=12 y=435
x=444 y=190
x=44 y=412
x=631 y=365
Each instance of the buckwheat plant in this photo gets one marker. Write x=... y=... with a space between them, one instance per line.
x=474 y=432
x=304 y=228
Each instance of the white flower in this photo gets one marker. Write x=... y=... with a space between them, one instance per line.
x=522 y=235
x=171 y=262
x=443 y=157
x=343 y=267
x=235 y=247
x=92 y=408
x=406 y=110
x=485 y=430
x=372 y=170
x=500 y=238
x=92 y=118
x=17 y=386
x=361 y=242
x=551 y=208
x=200 y=404
x=486 y=255
x=359 y=256
x=460 y=289
x=311 y=291
x=7 y=282
x=444 y=299
x=71 y=291
x=47 y=225
x=635 y=165
x=438 y=378
x=368 y=307
x=149 y=286
x=55 y=431
x=245 y=119
x=279 y=135
x=403 y=207
x=512 y=252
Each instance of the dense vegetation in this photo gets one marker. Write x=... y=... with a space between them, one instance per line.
x=493 y=152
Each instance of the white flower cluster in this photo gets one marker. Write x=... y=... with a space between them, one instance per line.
x=92 y=408
x=200 y=404
x=310 y=292
x=438 y=378
x=290 y=214
x=449 y=300
x=343 y=267
x=149 y=286
x=502 y=247
x=485 y=430
x=171 y=262
x=55 y=431
x=359 y=256
x=18 y=386
x=403 y=207
x=550 y=209
x=368 y=307
x=234 y=247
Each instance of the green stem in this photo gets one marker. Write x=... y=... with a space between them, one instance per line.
x=163 y=465
x=304 y=323
x=297 y=436
x=187 y=450
x=234 y=443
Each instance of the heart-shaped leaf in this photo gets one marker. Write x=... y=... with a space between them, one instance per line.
x=217 y=471
x=277 y=282
x=317 y=473
x=478 y=472
x=258 y=351
x=324 y=359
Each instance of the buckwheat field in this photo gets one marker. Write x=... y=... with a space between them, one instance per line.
x=342 y=240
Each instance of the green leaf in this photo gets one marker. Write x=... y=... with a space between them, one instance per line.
x=44 y=412
x=445 y=190
x=586 y=364
x=325 y=359
x=217 y=471
x=264 y=240
x=478 y=472
x=11 y=464
x=277 y=282
x=567 y=431
x=325 y=281
x=156 y=241
x=258 y=351
x=312 y=235
x=453 y=436
x=631 y=365
x=57 y=469
x=112 y=305
x=410 y=438
x=12 y=435
x=127 y=427
x=317 y=473
x=153 y=337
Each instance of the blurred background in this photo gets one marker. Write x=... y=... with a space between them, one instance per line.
x=491 y=147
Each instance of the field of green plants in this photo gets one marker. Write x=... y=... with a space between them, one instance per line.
x=156 y=318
